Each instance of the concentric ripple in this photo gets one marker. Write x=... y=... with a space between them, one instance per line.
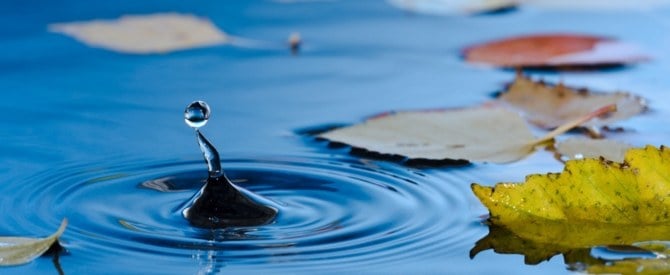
x=334 y=214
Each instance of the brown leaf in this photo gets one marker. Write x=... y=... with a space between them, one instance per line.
x=551 y=106
x=554 y=50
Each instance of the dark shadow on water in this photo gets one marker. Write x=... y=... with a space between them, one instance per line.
x=55 y=251
x=606 y=67
x=499 y=11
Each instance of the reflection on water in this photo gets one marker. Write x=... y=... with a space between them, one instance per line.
x=596 y=248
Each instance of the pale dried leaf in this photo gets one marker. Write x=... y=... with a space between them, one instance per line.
x=578 y=148
x=551 y=106
x=487 y=134
x=145 y=34
x=21 y=250
x=448 y=7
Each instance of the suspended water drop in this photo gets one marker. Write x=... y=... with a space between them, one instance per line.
x=220 y=203
x=196 y=114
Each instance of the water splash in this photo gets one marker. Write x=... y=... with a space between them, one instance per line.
x=220 y=203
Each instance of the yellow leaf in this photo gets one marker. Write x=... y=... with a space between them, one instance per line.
x=21 y=250
x=635 y=192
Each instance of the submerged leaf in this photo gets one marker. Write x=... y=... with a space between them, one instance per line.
x=578 y=148
x=145 y=34
x=21 y=250
x=551 y=106
x=554 y=50
x=488 y=133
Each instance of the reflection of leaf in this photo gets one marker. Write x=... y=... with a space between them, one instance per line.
x=490 y=134
x=145 y=34
x=503 y=241
x=659 y=265
x=21 y=250
x=577 y=148
x=551 y=106
x=587 y=191
x=453 y=6
x=541 y=241
x=553 y=50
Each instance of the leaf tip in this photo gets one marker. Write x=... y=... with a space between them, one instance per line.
x=61 y=228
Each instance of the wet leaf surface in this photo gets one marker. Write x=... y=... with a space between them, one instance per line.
x=578 y=148
x=21 y=250
x=550 y=106
x=145 y=34
x=485 y=133
x=554 y=50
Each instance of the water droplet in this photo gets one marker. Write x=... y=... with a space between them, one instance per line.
x=196 y=114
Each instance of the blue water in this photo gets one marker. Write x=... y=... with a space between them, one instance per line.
x=83 y=128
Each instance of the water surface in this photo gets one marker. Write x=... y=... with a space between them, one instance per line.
x=84 y=128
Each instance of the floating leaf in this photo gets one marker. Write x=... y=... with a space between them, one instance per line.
x=551 y=106
x=488 y=133
x=145 y=34
x=21 y=250
x=578 y=148
x=446 y=7
x=593 y=202
x=554 y=50
x=596 y=191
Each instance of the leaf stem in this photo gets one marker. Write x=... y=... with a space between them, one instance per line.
x=572 y=124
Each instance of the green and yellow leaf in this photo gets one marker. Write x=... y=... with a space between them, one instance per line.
x=588 y=191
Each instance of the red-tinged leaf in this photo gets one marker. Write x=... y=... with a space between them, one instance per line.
x=554 y=50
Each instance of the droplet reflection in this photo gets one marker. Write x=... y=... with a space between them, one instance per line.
x=196 y=114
